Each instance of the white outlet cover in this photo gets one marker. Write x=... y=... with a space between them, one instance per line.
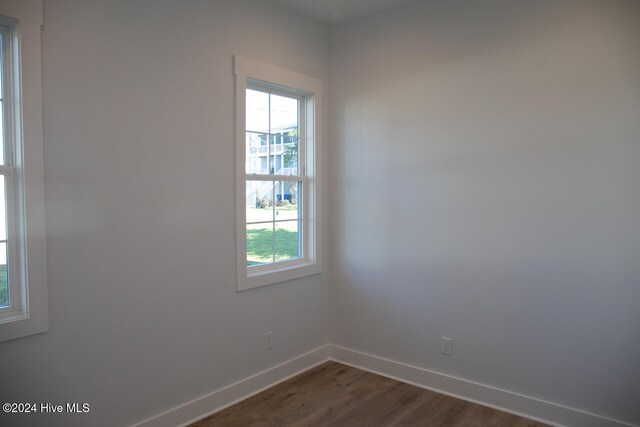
x=268 y=343
x=447 y=346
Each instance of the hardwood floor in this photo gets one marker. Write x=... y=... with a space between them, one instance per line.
x=333 y=394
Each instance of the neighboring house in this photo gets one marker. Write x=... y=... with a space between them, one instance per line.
x=278 y=158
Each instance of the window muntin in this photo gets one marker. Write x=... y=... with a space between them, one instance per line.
x=274 y=180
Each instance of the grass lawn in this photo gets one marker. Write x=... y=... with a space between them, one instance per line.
x=260 y=245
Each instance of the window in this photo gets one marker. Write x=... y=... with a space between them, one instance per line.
x=274 y=183
x=277 y=117
x=23 y=292
x=9 y=293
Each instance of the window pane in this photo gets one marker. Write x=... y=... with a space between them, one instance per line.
x=259 y=244
x=284 y=154
x=2 y=95
x=290 y=156
x=1 y=68
x=287 y=240
x=284 y=114
x=275 y=158
x=3 y=211
x=257 y=111
x=4 y=282
x=257 y=152
x=287 y=195
x=1 y=132
x=260 y=205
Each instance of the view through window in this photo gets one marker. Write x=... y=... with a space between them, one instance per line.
x=4 y=283
x=274 y=184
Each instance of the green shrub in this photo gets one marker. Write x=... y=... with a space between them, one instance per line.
x=263 y=203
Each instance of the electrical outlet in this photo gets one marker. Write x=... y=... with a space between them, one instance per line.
x=267 y=340
x=447 y=346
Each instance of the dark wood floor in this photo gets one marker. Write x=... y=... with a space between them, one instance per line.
x=333 y=394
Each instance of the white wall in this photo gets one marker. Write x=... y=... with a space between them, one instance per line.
x=486 y=187
x=139 y=155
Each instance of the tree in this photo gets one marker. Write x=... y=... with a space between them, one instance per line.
x=291 y=149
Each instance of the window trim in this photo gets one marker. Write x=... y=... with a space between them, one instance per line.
x=255 y=74
x=31 y=314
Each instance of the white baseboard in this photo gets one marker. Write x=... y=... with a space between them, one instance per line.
x=486 y=395
x=211 y=403
x=493 y=397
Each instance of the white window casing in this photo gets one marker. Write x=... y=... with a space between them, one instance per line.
x=27 y=313
x=257 y=75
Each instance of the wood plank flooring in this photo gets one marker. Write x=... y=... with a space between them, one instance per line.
x=333 y=394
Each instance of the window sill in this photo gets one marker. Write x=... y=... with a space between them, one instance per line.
x=276 y=274
x=17 y=324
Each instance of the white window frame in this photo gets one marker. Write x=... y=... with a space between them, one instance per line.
x=24 y=171
x=255 y=74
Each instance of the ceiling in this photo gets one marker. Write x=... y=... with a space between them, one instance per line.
x=336 y=11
